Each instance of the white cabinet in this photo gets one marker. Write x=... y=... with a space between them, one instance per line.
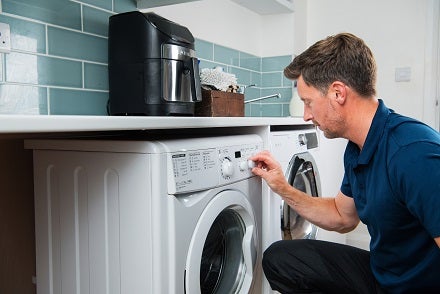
x=259 y=6
x=144 y=4
x=267 y=6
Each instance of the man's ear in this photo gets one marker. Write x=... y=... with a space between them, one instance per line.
x=340 y=91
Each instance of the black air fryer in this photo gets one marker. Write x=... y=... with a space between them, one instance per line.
x=152 y=66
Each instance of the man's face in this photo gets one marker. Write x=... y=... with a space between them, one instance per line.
x=321 y=109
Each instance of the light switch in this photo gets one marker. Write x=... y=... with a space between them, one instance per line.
x=403 y=74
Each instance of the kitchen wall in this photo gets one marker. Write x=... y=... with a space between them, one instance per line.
x=58 y=63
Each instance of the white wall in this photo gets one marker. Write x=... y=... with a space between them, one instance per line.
x=397 y=31
x=228 y=24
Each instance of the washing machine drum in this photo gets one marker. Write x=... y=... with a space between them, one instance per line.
x=223 y=251
x=301 y=174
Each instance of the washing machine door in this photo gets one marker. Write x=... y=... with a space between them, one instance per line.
x=224 y=246
x=302 y=174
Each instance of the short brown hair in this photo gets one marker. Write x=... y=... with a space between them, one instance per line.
x=343 y=57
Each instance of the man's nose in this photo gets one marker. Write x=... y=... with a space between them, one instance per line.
x=307 y=115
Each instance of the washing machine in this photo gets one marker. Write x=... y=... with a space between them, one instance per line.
x=291 y=148
x=166 y=216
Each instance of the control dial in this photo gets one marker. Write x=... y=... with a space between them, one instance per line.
x=227 y=167
x=247 y=164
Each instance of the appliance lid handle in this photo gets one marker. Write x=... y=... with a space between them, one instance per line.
x=196 y=89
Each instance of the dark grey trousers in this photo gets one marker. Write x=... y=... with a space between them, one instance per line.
x=314 y=266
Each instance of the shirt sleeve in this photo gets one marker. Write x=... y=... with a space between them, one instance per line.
x=415 y=175
x=345 y=186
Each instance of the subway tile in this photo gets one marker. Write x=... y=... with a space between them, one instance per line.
x=272 y=79
x=42 y=70
x=285 y=111
x=208 y=64
x=20 y=99
x=106 y=4
x=124 y=5
x=243 y=75
x=58 y=12
x=249 y=61
x=256 y=78
x=276 y=63
x=252 y=93
x=271 y=110
x=95 y=21
x=26 y=35
x=286 y=82
x=226 y=55
x=204 y=49
x=76 y=45
x=95 y=76
x=255 y=109
x=77 y=102
x=286 y=94
x=247 y=110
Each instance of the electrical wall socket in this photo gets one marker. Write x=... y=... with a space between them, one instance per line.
x=5 y=38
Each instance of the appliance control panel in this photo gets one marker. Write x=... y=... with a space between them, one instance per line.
x=293 y=141
x=201 y=169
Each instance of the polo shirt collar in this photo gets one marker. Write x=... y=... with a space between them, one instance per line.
x=375 y=133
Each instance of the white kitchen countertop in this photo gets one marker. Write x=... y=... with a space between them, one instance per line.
x=12 y=124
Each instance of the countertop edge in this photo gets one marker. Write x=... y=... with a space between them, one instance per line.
x=16 y=124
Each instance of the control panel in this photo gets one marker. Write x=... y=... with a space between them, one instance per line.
x=201 y=169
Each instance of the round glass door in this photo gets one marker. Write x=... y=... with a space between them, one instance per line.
x=223 y=249
x=222 y=265
x=301 y=174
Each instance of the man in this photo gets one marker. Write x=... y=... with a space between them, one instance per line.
x=391 y=183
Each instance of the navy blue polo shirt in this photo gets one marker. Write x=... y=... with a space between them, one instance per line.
x=395 y=183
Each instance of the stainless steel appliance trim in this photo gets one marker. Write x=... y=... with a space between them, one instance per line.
x=171 y=51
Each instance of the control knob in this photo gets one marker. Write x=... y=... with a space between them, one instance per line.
x=247 y=164
x=227 y=168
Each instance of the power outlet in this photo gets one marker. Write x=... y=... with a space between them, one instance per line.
x=5 y=38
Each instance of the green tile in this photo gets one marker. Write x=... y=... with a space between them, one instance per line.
x=204 y=49
x=20 y=99
x=272 y=79
x=124 y=5
x=275 y=63
x=226 y=55
x=95 y=21
x=286 y=111
x=36 y=69
x=271 y=110
x=243 y=75
x=286 y=94
x=208 y=64
x=286 y=82
x=59 y=12
x=76 y=45
x=95 y=76
x=255 y=109
x=252 y=93
x=249 y=61
x=256 y=78
x=72 y=102
x=26 y=35
x=106 y=4
x=247 y=110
